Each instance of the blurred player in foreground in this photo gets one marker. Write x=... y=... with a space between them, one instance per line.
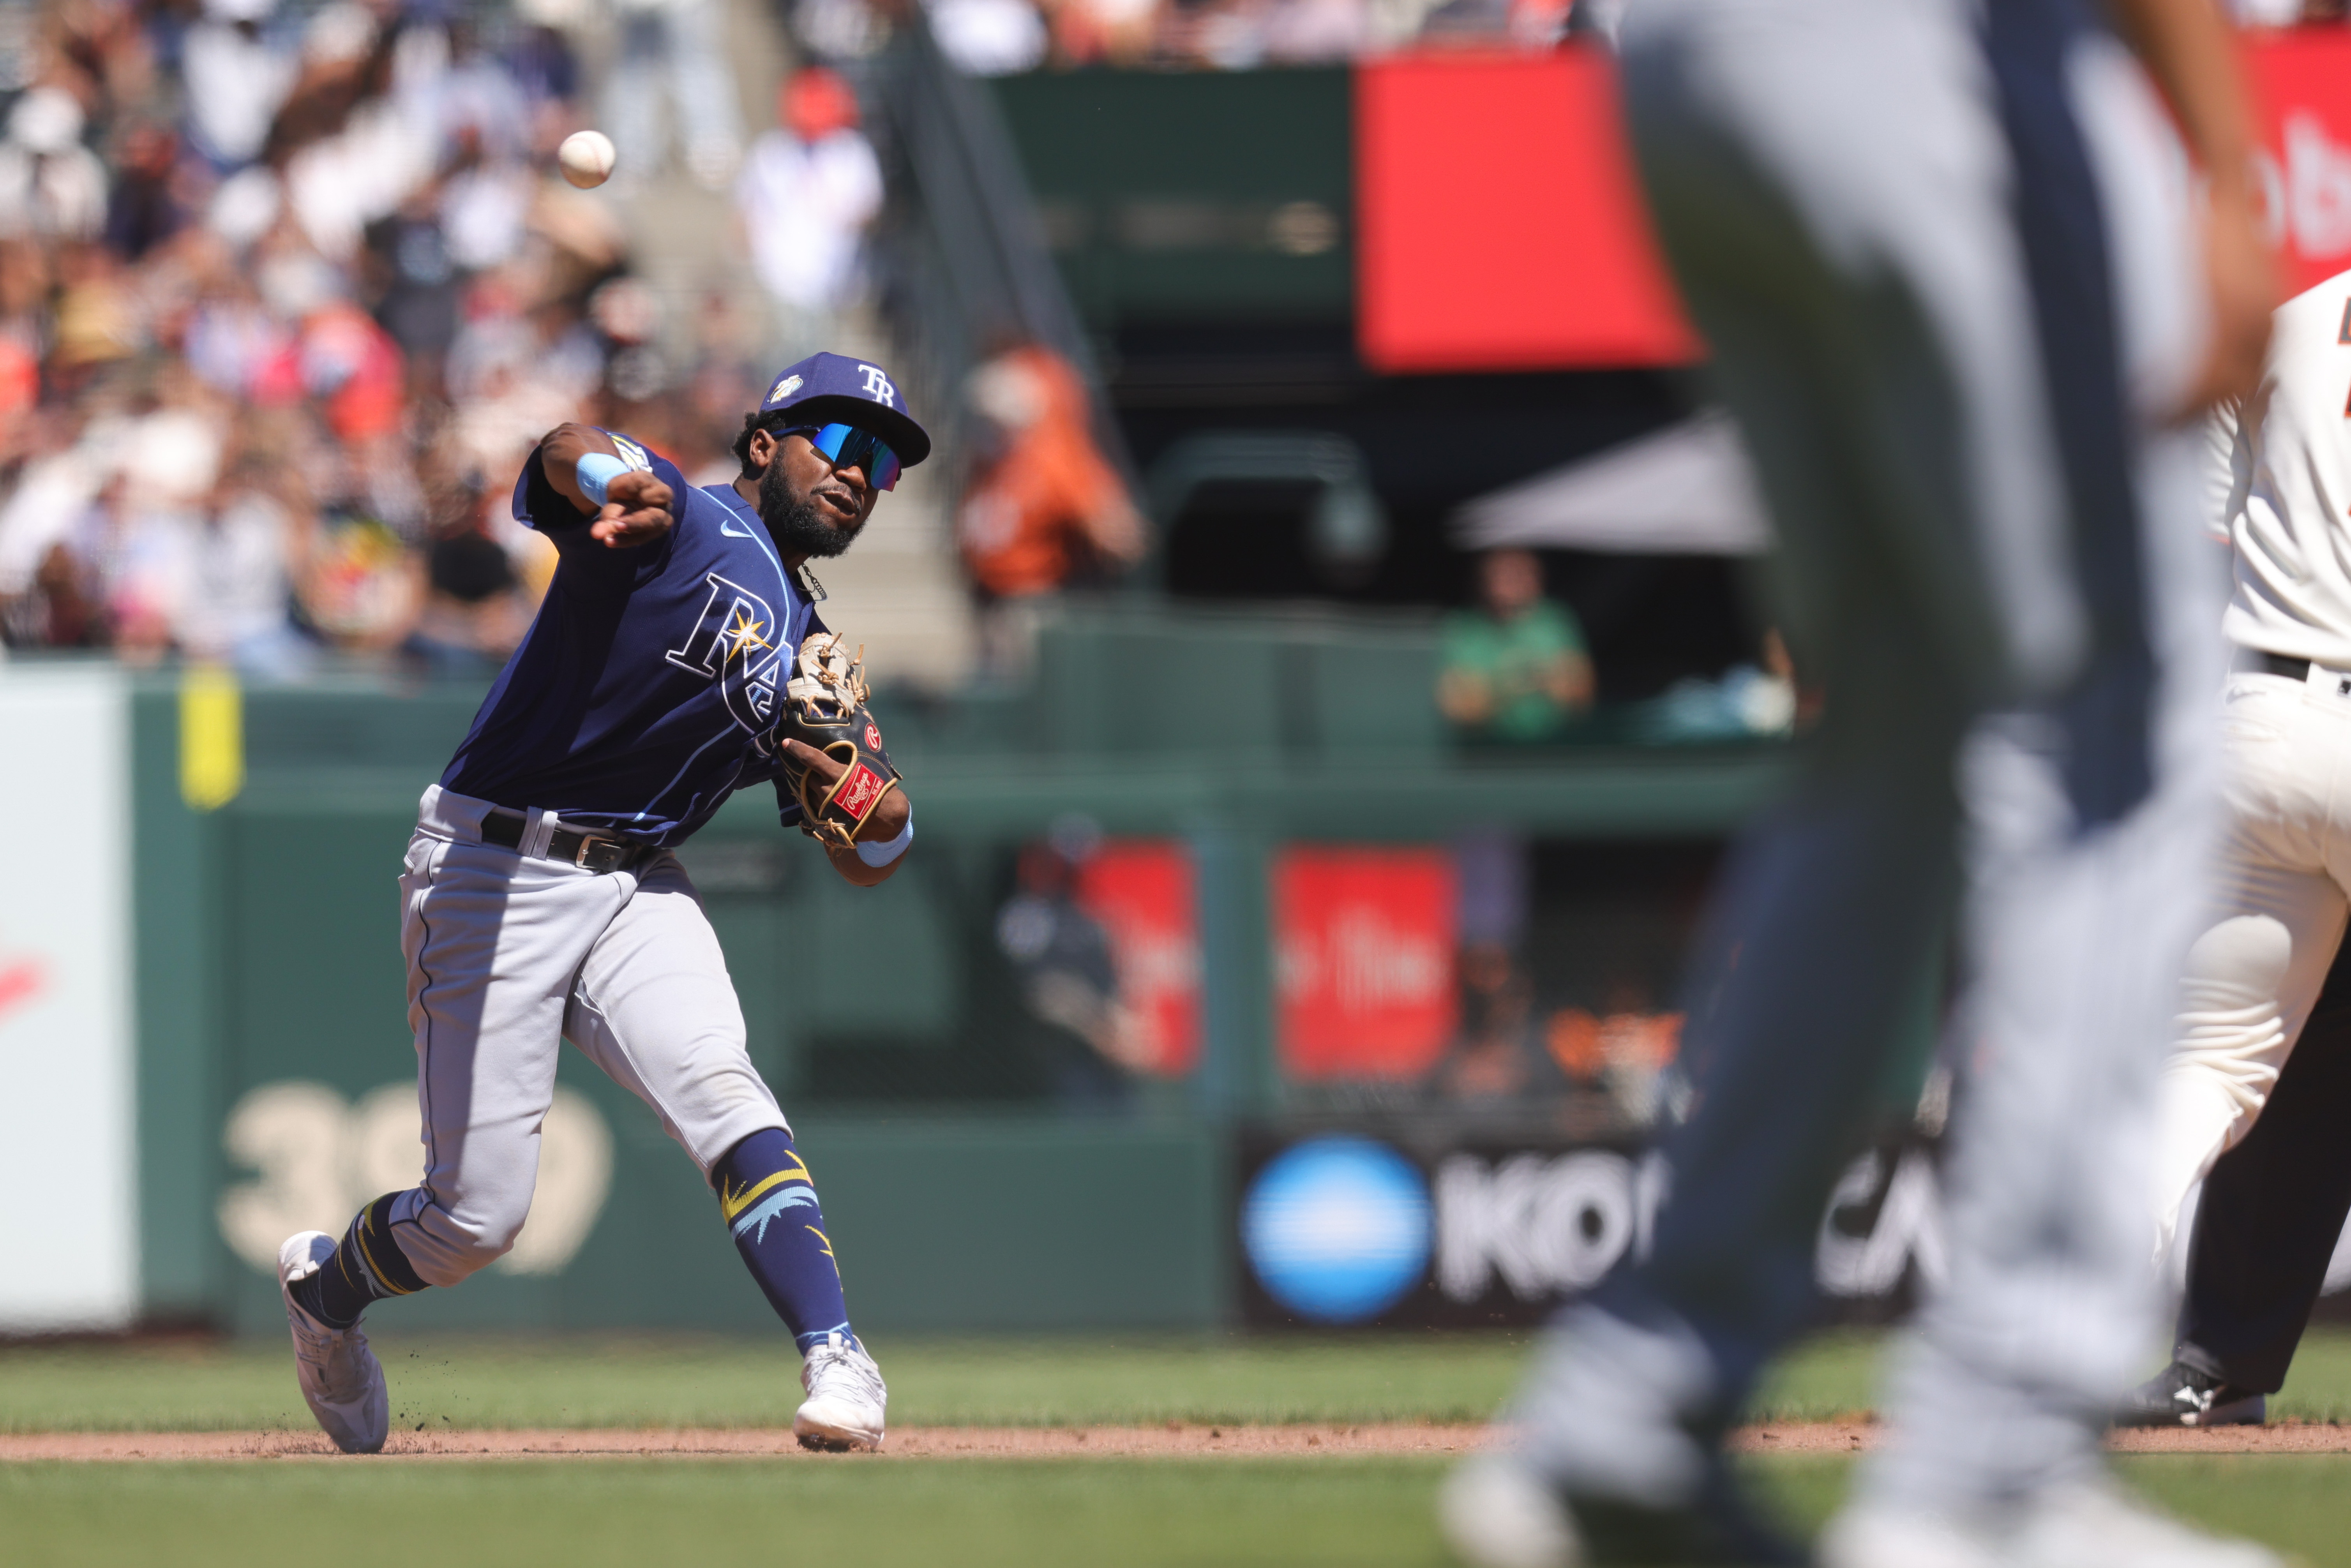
x=2280 y=469
x=1953 y=300
x=676 y=658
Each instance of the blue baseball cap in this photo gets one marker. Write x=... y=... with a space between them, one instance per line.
x=829 y=389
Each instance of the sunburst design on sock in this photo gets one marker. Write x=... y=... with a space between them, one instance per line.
x=827 y=1244
x=733 y=1200
x=761 y=1180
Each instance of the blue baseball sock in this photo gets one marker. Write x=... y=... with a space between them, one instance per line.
x=368 y=1266
x=769 y=1203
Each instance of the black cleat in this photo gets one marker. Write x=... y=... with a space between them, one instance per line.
x=2180 y=1395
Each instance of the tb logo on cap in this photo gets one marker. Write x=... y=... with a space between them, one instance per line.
x=878 y=387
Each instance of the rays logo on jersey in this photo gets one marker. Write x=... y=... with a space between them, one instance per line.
x=735 y=644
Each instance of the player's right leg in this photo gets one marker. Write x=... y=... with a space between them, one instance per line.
x=2265 y=1231
x=2253 y=974
x=655 y=1008
x=486 y=1055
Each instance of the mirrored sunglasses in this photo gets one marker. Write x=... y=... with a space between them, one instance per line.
x=845 y=445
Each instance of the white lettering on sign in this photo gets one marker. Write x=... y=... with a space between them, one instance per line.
x=2307 y=200
x=1861 y=1256
x=1367 y=963
x=1546 y=1226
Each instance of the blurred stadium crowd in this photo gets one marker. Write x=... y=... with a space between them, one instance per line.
x=287 y=290
x=992 y=38
x=284 y=299
x=1003 y=36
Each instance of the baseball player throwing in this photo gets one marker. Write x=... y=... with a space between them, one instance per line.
x=2282 y=468
x=676 y=658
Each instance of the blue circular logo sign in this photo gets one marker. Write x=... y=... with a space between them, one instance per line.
x=1337 y=1229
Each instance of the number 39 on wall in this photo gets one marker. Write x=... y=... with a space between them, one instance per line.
x=319 y=1158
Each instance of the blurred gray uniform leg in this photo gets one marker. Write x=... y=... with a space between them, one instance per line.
x=1846 y=187
x=2081 y=919
x=1834 y=181
x=1829 y=181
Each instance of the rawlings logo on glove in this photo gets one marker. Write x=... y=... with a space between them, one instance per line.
x=824 y=708
x=860 y=791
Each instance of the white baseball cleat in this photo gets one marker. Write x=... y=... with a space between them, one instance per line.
x=1496 y=1512
x=845 y=1397
x=2095 y=1524
x=342 y=1380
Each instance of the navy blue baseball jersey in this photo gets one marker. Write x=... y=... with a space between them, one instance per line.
x=649 y=685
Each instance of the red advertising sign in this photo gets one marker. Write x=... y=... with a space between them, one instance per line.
x=2301 y=85
x=1142 y=891
x=1364 y=944
x=1500 y=227
x=1499 y=223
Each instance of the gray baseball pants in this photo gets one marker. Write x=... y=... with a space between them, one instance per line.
x=1930 y=250
x=508 y=957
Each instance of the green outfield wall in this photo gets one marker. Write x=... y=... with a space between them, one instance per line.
x=1184 y=196
x=275 y=1072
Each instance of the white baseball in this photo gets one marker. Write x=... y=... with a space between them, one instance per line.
x=587 y=158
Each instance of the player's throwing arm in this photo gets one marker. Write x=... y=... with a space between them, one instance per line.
x=676 y=658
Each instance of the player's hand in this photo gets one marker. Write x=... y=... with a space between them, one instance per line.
x=636 y=512
x=2241 y=278
x=889 y=818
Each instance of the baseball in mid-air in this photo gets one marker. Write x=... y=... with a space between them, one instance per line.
x=587 y=158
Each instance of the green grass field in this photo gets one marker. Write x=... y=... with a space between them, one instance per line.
x=678 y=1381
x=673 y=1381
x=1040 y=1512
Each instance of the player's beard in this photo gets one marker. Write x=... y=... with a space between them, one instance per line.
x=798 y=525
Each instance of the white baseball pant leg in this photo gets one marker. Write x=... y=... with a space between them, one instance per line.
x=507 y=956
x=2256 y=971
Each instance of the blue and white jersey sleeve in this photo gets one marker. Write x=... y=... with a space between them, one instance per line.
x=539 y=505
x=649 y=686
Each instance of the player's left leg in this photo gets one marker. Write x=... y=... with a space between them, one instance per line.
x=2097 y=820
x=654 y=1008
x=1847 y=269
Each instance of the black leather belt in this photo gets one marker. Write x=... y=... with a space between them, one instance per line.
x=586 y=851
x=2253 y=661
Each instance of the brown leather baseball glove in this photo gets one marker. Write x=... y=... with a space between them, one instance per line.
x=824 y=707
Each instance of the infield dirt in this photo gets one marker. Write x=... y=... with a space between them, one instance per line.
x=1168 y=1440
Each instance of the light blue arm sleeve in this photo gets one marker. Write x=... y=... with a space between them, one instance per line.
x=881 y=855
x=597 y=470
